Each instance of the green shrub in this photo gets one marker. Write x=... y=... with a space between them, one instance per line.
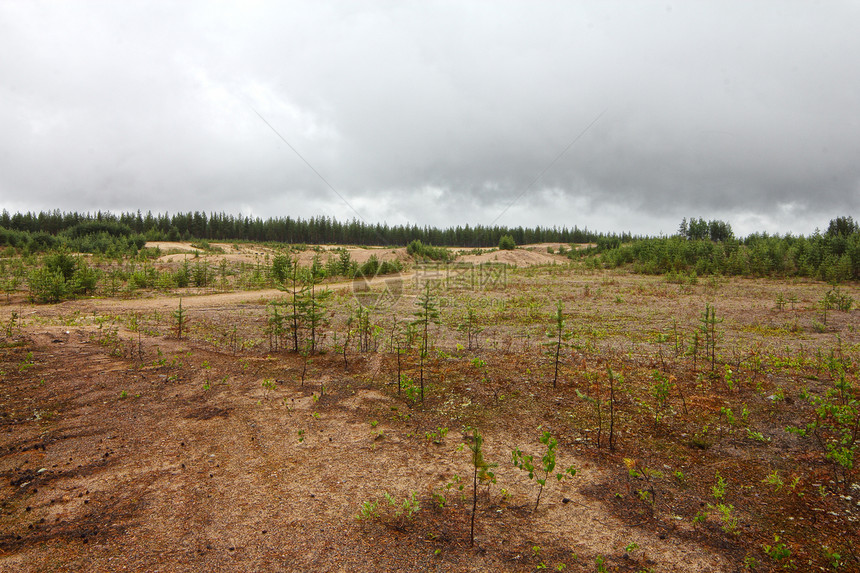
x=507 y=243
x=281 y=266
x=201 y=275
x=62 y=276
x=419 y=250
x=112 y=228
x=85 y=278
x=182 y=277
x=62 y=263
x=374 y=267
x=48 y=286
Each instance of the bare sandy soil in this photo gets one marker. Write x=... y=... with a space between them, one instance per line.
x=125 y=448
x=521 y=257
x=526 y=255
x=253 y=254
x=111 y=463
x=217 y=480
x=173 y=246
x=358 y=254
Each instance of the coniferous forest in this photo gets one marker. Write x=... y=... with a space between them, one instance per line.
x=699 y=247
x=315 y=230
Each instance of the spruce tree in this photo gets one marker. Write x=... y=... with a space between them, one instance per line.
x=428 y=312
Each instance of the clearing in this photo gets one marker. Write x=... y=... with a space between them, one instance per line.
x=126 y=447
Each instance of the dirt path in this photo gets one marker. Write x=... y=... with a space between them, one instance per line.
x=162 y=301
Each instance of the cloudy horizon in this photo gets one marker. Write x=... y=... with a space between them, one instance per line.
x=615 y=116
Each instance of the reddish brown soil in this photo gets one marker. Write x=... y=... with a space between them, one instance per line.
x=134 y=450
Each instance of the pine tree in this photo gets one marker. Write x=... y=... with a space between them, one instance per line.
x=181 y=317
x=296 y=288
x=560 y=336
x=482 y=473
x=314 y=306
x=428 y=312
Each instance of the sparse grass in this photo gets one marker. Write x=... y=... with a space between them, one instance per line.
x=715 y=425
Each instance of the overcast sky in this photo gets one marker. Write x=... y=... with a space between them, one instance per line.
x=616 y=116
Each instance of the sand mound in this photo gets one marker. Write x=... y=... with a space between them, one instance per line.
x=521 y=257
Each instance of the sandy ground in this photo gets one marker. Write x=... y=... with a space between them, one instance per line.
x=247 y=253
x=133 y=450
x=521 y=257
x=526 y=255
x=136 y=465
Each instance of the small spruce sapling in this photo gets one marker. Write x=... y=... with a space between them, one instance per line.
x=613 y=378
x=365 y=328
x=397 y=343
x=708 y=329
x=304 y=310
x=181 y=318
x=559 y=337
x=349 y=322
x=275 y=325
x=482 y=473
x=223 y=272
x=471 y=328
x=428 y=312
x=547 y=464
x=660 y=389
x=315 y=316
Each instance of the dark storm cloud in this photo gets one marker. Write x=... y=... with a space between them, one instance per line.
x=437 y=113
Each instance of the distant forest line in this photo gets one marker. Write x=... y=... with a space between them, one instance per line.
x=314 y=230
x=699 y=247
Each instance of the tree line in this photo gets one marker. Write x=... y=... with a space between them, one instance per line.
x=699 y=246
x=314 y=230
x=708 y=248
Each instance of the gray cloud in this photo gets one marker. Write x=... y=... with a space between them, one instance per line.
x=437 y=113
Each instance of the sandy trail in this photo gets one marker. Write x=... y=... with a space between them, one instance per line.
x=170 y=301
